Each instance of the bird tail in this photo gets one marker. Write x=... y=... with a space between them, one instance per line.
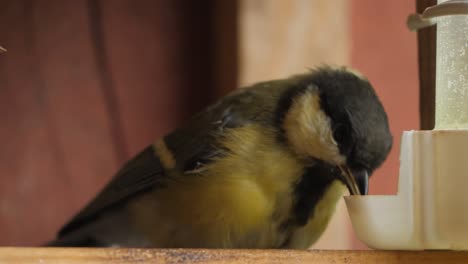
x=74 y=241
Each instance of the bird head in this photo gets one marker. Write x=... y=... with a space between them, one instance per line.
x=333 y=115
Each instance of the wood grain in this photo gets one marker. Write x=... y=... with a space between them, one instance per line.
x=204 y=256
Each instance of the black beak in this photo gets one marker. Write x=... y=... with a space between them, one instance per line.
x=362 y=181
x=356 y=181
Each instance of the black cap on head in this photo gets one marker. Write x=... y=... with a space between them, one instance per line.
x=358 y=119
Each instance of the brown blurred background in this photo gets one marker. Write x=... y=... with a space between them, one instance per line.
x=87 y=84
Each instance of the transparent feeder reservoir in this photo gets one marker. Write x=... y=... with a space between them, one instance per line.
x=430 y=210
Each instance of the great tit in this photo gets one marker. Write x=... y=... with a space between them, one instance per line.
x=262 y=168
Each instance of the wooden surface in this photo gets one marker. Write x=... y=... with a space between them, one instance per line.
x=78 y=255
x=427 y=68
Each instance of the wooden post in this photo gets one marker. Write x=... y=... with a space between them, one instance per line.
x=427 y=65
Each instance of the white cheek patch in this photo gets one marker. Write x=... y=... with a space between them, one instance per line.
x=308 y=129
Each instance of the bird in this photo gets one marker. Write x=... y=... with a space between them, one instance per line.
x=263 y=167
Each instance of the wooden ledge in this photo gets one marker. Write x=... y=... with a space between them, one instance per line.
x=204 y=256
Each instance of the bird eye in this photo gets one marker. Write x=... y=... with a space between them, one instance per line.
x=343 y=137
x=339 y=133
